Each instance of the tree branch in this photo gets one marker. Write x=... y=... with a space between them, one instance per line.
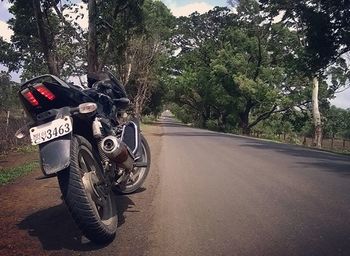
x=259 y=60
x=263 y=117
x=67 y=23
x=44 y=37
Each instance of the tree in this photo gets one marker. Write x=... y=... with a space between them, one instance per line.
x=241 y=73
x=8 y=92
x=196 y=40
x=335 y=121
x=323 y=27
x=145 y=55
x=41 y=32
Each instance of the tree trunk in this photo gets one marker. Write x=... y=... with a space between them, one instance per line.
x=141 y=98
x=222 y=122
x=316 y=114
x=7 y=121
x=105 y=53
x=46 y=45
x=332 y=142
x=245 y=127
x=244 y=119
x=92 y=38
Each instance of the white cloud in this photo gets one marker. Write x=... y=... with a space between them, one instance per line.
x=187 y=9
x=5 y=31
x=7 y=5
x=342 y=99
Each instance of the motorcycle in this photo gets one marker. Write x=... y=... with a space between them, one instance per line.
x=86 y=143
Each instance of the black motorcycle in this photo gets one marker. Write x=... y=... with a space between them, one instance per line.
x=86 y=142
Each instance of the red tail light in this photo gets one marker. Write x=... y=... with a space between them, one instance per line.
x=45 y=92
x=30 y=97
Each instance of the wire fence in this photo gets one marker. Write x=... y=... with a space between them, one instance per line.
x=10 y=122
x=335 y=144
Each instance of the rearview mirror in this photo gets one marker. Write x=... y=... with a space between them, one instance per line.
x=121 y=103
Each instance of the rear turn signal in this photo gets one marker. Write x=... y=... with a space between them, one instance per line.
x=44 y=91
x=28 y=95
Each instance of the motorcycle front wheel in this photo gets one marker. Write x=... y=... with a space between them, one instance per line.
x=90 y=202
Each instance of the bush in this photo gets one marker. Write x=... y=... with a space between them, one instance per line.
x=149 y=119
x=212 y=125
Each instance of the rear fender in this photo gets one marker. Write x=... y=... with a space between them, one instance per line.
x=55 y=155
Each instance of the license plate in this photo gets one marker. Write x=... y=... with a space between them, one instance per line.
x=51 y=130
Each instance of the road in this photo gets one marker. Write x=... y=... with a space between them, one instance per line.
x=228 y=195
x=215 y=194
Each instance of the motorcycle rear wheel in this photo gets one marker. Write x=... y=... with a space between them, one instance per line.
x=92 y=206
x=139 y=173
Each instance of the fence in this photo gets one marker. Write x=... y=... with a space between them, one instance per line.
x=337 y=144
x=333 y=144
x=10 y=122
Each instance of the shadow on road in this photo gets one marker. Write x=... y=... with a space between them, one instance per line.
x=56 y=230
x=308 y=157
x=125 y=204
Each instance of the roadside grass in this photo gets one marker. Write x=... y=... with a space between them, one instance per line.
x=294 y=141
x=337 y=151
x=26 y=149
x=9 y=174
x=149 y=119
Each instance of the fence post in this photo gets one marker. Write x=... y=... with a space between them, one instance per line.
x=7 y=120
x=332 y=143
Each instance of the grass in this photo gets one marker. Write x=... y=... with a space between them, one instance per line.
x=9 y=174
x=298 y=143
x=148 y=119
x=27 y=149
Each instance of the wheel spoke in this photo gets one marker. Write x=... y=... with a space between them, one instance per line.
x=138 y=172
x=82 y=163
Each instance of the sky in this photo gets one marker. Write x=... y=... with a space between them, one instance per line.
x=178 y=8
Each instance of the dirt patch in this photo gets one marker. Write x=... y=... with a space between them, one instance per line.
x=34 y=221
x=14 y=159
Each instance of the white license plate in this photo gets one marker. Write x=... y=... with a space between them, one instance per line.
x=51 y=130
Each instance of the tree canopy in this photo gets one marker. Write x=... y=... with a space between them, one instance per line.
x=250 y=66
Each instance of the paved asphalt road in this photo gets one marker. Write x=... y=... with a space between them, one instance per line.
x=228 y=195
x=207 y=194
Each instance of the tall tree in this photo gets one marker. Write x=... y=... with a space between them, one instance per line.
x=92 y=54
x=324 y=31
x=239 y=68
x=40 y=33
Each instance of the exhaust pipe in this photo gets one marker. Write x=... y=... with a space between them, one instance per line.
x=117 y=151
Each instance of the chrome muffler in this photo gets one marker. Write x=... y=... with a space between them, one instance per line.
x=117 y=151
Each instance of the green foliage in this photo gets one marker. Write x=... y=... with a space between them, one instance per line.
x=237 y=70
x=8 y=93
x=324 y=26
x=26 y=149
x=337 y=123
x=224 y=70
